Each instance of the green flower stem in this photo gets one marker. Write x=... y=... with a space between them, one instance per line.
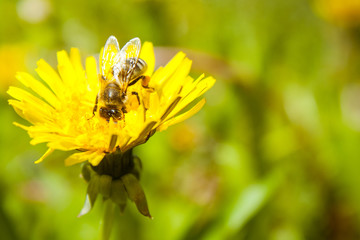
x=107 y=222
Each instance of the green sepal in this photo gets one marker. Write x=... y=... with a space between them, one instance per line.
x=91 y=194
x=105 y=185
x=137 y=167
x=136 y=193
x=86 y=172
x=87 y=206
x=116 y=178
x=93 y=188
x=118 y=194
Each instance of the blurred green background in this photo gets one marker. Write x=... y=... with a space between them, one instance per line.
x=274 y=154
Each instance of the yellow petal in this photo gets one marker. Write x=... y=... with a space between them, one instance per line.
x=168 y=70
x=39 y=88
x=76 y=158
x=92 y=74
x=200 y=88
x=21 y=126
x=38 y=109
x=147 y=54
x=170 y=108
x=183 y=116
x=66 y=70
x=75 y=59
x=61 y=143
x=30 y=116
x=189 y=84
x=18 y=107
x=96 y=158
x=173 y=85
x=46 y=154
x=93 y=157
x=50 y=76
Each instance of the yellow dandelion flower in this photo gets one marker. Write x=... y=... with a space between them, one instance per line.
x=60 y=108
x=342 y=12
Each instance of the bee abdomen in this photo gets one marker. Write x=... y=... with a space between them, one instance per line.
x=138 y=69
x=141 y=66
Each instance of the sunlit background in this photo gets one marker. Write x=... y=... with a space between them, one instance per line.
x=274 y=154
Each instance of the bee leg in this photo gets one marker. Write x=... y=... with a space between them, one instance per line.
x=123 y=111
x=135 y=80
x=144 y=82
x=95 y=107
x=96 y=104
x=137 y=96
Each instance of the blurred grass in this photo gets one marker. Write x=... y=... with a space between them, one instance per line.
x=273 y=155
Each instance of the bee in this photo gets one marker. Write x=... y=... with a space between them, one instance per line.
x=119 y=70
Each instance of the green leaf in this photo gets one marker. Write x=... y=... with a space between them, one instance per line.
x=248 y=203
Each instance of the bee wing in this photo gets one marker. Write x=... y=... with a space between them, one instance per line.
x=129 y=56
x=110 y=57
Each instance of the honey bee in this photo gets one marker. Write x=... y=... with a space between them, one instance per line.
x=119 y=70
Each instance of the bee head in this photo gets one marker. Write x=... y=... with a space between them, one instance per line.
x=108 y=113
